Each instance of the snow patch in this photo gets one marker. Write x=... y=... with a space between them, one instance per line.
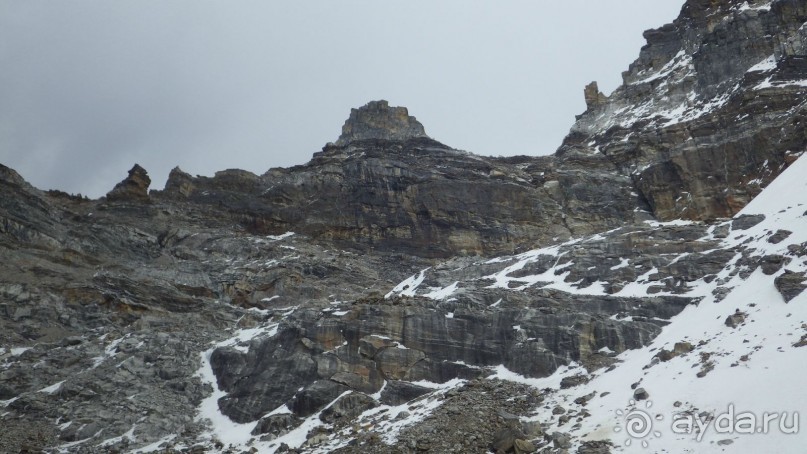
x=52 y=388
x=17 y=351
x=409 y=286
x=443 y=293
x=279 y=237
x=623 y=263
x=768 y=64
x=222 y=427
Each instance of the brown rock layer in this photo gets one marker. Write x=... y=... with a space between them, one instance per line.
x=133 y=188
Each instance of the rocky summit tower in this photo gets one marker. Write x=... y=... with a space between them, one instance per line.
x=377 y=120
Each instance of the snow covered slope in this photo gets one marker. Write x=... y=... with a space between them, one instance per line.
x=723 y=375
x=736 y=361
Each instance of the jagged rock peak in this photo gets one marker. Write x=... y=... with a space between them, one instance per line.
x=377 y=120
x=133 y=188
x=9 y=175
x=179 y=182
x=594 y=97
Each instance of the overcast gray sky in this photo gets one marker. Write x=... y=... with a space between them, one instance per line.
x=88 y=88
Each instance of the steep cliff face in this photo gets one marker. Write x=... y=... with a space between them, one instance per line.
x=711 y=111
x=397 y=295
x=385 y=185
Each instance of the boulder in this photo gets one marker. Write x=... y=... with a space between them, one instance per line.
x=736 y=319
x=347 y=407
x=275 y=425
x=315 y=397
x=772 y=263
x=746 y=221
x=641 y=394
x=790 y=284
x=400 y=392
x=574 y=380
x=779 y=236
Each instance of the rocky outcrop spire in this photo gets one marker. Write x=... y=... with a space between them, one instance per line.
x=179 y=183
x=377 y=120
x=594 y=97
x=133 y=188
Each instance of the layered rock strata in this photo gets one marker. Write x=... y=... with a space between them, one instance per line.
x=394 y=271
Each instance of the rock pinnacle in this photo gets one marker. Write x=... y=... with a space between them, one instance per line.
x=377 y=120
x=132 y=188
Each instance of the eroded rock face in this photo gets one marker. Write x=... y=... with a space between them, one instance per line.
x=133 y=188
x=130 y=298
x=495 y=316
x=593 y=96
x=376 y=120
x=425 y=346
x=709 y=112
x=420 y=197
x=179 y=184
x=127 y=316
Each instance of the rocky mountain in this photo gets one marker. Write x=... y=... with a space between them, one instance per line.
x=397 y=295
x=711 y=110
x=398 y=190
